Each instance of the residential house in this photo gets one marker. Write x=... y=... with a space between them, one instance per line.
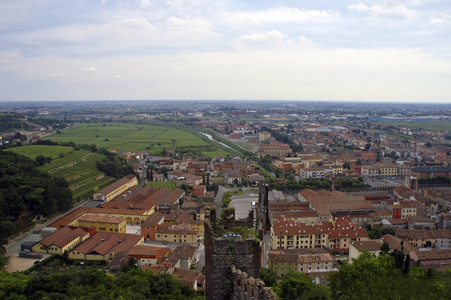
x=358 y=247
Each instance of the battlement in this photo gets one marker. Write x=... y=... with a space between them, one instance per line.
x=246 y=287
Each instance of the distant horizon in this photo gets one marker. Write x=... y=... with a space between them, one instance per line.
x=236 y=100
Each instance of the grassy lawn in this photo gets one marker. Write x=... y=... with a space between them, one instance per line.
x=167 y=184
x=138 y=137
x=238 y=193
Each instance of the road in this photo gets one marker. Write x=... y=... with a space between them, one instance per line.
x=200 y=254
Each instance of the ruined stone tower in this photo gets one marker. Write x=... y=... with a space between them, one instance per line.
x=221 y=253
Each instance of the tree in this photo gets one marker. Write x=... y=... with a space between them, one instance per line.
x=268 y=276
x=295 y=285
x=244 y=180
x=7 y=228
x=385 y=247
x=41 y=160
x=366 y=276
x=347 y=165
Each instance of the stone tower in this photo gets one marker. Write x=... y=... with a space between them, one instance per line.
x=221 y=253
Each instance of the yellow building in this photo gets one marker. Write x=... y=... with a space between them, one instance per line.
x=181 y=233
x=198 y=226
x=337 y=169
x=115 y=189
x=263 y=136
x=132 y=217
x=275 y=149
x=357 y=248
x=60 y=241
x=388 y=170
x=370 y=171
x=102 y=223
x=300 y=260
x=336 y=235
x=104 y=246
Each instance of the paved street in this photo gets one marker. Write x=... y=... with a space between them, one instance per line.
x=200 y=258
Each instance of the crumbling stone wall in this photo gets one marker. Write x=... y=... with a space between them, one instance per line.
x=221 y=254
x=246 y=287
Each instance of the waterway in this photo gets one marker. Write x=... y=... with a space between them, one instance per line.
x=212 y=139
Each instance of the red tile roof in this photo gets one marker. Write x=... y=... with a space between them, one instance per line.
x=63 y=236
x=104 y=242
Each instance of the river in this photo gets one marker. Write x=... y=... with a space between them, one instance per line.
x=212 y=139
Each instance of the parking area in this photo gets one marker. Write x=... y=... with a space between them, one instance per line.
x=16 y=263
x=242 y=206
x=384 y=182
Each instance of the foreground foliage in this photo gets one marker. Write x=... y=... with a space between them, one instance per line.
x=294 y=285
x=380 y=278
x=26 y=192
x=94 y=284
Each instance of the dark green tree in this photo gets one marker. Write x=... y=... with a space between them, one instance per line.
x=268 y=276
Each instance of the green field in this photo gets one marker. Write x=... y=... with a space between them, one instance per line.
x=32 y=151
x=430 y=125
x=167 y=184
x=138 y=138
x=250 y=146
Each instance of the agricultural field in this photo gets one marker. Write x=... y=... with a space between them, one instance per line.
x=80 y=170
x=427 y=125
x=137 y=138
x=167 y=184
x=33 y=151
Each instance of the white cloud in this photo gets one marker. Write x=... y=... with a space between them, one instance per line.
x=117 y=34
x=280 y=15
x=117 y=77
x=269 y=40
x=359 y=7
x=393 y=12
x=4 y=61
x=391 y=9
x=90 y=69
x=188 y=30
x=442 y=20
x=144 y=3
x=262 y=41
x=56 y=75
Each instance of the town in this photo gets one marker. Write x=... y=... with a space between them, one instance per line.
x=220 y=194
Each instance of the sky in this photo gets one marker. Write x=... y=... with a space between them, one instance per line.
x=386 y=50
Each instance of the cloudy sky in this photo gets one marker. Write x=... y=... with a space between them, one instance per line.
x=385 y=50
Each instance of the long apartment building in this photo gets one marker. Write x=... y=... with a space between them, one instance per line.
x=117 y=188
x=335 y=235
x=385 y=170
x=300 y=260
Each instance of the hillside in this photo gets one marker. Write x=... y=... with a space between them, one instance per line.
x=77 y=167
